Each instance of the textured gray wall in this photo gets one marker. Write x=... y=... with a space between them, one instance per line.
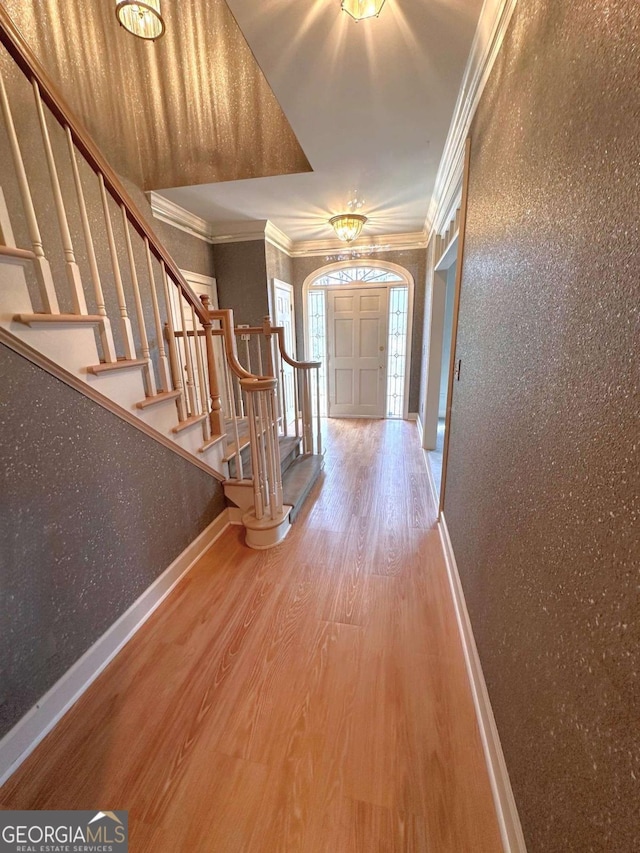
x=241 y=275
x=542 y=491
x=413 y=260
x=279 y=265
x=91 y=512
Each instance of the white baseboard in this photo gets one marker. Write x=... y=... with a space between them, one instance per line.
x=412 y=416
x=235 y=514
x=18 y=743
x=420 y=429
x=506 y=810
x=435 y=494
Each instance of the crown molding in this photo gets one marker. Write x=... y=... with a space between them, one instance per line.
x=372 y=245
x=173 y=214
x=278 y=238
x=263 y=229
x=490 y=33
x=241 y=231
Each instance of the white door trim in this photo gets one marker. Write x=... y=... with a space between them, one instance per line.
x=277 y=282
x=288 y=377
x=408 y=280
x=202 y=284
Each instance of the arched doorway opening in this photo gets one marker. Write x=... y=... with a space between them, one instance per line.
x=357 y=322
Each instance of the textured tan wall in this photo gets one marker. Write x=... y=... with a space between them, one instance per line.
x=188 y=252
x=542 y=492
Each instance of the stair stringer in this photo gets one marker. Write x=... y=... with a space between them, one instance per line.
x=67 y=349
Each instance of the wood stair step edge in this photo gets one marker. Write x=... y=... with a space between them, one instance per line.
x=161 y=397
x=211 y=442
x=189 y=422
x=120 y=364
x=298 y=481
x=34 y=319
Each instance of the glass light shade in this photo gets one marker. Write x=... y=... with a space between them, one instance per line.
x=360 y=9
x=141 y=19
x=347 y=226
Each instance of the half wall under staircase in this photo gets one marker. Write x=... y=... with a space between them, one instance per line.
x=94 y=295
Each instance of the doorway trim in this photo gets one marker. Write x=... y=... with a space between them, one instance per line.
x=372 y=263
x=273 y=284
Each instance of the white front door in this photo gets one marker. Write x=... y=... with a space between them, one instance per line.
x=357 y=342
x=284 y=316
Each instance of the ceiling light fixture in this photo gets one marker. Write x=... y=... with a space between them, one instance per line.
x=347 y=225
x=361 y=9
x=141 y=19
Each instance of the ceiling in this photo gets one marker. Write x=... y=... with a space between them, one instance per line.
x=275 y=110
x=188 y=109
x=370 y=103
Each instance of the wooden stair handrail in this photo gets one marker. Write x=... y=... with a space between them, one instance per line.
x=225 y=316
x=14 y=41
x=279 y=332
x=302 y=365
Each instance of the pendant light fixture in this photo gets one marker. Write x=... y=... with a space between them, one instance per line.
x=141 y=19
x=348 y=225
x=361 y=9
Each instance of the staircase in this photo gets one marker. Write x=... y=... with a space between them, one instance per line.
x=100 y=303
x=299 y=473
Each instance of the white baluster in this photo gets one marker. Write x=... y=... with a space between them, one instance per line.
x=267 y=424
x=149 y=376
x=259 y=355
x=173 y=348
x=70 y=265
x=125 y=322
x=202 y=377
x=234 y=424
x=296 y=402
x=106 y=336
x=276 y=461
x=42 y=268
x=319 y=433
x=258 y=505
x=191 y=387
x=247 y=342
x=261 y=452
x=307 y=431
x=283 y=392
x=163 y=363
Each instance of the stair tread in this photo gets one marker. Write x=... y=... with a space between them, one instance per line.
x=11 y=254
x=288 y=447
x=30 y=319
x=160 y=397
x=120 y=364
x=210 y=442
x=232 y=450
x=194 y=419
x=298 y=480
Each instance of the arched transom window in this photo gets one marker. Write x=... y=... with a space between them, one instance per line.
x=355 y=275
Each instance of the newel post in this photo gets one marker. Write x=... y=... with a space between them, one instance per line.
x=215 y=417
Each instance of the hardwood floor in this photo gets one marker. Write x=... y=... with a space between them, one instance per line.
x=308 y=698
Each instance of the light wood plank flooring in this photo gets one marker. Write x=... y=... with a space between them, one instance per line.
x=308 y=698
